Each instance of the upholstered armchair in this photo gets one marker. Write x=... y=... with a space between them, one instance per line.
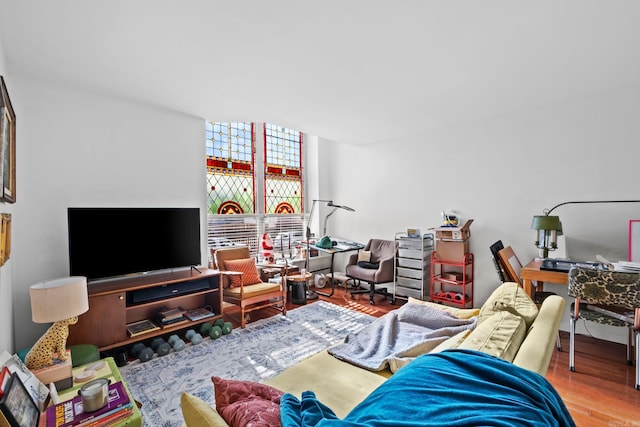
x=609 y=298
x=373 y=265
x=242 y=285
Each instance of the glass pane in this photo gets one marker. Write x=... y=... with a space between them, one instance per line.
x=230 y=167
x=283 y=171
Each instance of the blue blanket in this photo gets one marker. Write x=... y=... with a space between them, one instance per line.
x=452 y=388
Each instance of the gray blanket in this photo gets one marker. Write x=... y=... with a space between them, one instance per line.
x=399 y=336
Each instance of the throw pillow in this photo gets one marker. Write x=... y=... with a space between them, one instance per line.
x=245 y=266
x=364 y=256
x=198 y=413
x=246 y=403
x=369 y=265
x=512 y=298
x=499 y=335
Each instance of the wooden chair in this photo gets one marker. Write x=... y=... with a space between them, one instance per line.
x=242 y=285
x=604 y=297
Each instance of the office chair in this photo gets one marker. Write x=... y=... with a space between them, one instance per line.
x=378 y=269
x=609 y=298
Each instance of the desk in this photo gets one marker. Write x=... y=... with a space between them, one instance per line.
x=340 y=248
x=531 y=272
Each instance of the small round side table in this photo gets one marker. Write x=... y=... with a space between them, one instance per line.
x=298 y=285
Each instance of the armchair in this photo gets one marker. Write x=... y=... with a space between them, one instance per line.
x=373 y=265
x=242 y=285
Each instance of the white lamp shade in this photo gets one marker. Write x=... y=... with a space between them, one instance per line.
x=59 y=299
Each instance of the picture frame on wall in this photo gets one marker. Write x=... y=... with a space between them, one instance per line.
x=5 y=237
x=16 y=405
x=7 y=145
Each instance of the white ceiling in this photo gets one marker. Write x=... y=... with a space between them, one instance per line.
x=353 y=71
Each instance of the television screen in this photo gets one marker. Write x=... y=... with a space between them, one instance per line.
x=112 y=242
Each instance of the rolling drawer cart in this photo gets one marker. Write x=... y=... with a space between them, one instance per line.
x=412 y=271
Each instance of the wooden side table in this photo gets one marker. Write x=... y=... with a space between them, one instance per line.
x=110 y=371
x=298 y=285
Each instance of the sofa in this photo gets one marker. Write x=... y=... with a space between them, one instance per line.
x=510 y=328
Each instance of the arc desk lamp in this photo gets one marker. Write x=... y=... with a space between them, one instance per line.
x=314 y=294
x=548 y=227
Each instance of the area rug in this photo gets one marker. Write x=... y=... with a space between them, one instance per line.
x=260 y=351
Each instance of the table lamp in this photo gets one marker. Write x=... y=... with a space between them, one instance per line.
x=60 y=301
x=547 y=227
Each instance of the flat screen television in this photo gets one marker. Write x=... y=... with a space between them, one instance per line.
x=106 y=243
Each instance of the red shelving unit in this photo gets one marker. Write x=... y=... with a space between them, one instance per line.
x=451 y=280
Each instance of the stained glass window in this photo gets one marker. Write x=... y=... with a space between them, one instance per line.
x=230 y=167
x=283 y=170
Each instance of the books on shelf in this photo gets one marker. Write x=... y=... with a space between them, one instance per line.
x=198 y=313
x=141 y=327
x=172 y=322
x=71 y=413
x=170 y=314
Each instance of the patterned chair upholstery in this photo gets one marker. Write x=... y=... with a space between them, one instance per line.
x=616 y=291
x=242 y=285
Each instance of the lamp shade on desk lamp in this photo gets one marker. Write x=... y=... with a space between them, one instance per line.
x=548 y=227
x=60 y=301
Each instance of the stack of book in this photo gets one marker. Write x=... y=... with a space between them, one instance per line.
x=70 y=412
x=171 y=316
x=198 y=313
x=142 y=327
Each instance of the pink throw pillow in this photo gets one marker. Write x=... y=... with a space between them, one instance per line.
x=246 y=403
x=245 y=266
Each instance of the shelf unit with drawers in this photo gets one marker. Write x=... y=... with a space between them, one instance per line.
x=412 y=266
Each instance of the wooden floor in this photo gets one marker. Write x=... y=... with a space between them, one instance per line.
x=600 y=393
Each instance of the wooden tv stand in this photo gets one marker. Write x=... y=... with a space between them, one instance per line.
x=111 y=307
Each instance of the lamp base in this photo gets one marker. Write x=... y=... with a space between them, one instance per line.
x=60 y=373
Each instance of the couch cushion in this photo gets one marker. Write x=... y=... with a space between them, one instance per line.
x=247 y=267
x=253 y=290
x=512 y=298
x=198 y=413
x=246 y=403
x=499 y=335
x=338 y=384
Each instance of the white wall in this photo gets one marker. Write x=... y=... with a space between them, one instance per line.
x=501 y=172
x=6 y=282
x=80 y=149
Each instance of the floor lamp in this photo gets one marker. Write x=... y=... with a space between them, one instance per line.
x=312 y=294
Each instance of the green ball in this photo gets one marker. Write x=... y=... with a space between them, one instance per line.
x=226 y=328
x=216 y=332
x=205 y=328
x=219 y=322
